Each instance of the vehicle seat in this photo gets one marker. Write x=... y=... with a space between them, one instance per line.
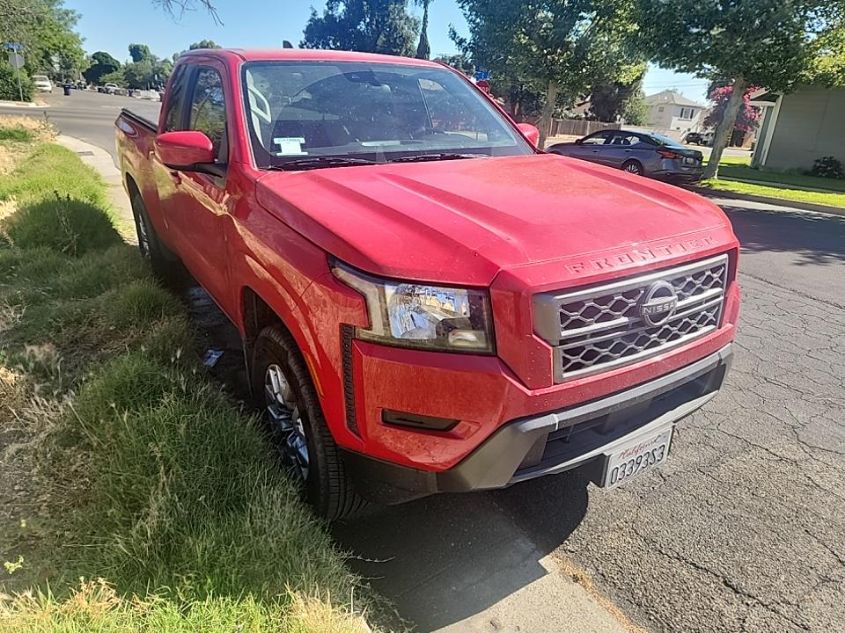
x=259 y=108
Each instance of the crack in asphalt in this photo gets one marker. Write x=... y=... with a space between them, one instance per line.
x=749 y=503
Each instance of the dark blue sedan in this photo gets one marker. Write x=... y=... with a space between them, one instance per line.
x=638 y=153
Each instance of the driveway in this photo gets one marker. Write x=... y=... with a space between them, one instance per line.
x=740 y=531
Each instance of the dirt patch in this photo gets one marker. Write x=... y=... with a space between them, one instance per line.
x=41 y=128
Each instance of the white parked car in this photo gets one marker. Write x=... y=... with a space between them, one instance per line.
x=42 y=83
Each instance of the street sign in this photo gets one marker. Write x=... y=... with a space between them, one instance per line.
x=17 y=61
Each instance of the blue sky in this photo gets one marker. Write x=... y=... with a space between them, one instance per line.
x=265 y=23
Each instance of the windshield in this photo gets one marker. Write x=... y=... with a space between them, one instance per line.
x=40 y=78
x=369 y=112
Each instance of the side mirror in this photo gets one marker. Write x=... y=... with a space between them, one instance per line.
x=186 y=151
x=530 y=132
x=579 y=141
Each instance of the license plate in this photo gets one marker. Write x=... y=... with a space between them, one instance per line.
x=638 y=457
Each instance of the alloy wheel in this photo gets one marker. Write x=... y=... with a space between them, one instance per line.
x=143 y=236
x=286 y=421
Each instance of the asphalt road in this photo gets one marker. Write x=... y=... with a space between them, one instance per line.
x=86 y=115
x=740 y=531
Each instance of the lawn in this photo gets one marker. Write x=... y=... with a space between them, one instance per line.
x=134 y=494
x=737 y=176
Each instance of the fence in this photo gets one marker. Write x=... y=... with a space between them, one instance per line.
x=579 y=127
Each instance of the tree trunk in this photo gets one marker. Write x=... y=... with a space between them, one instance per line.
x=724 y=131
x=548 y=112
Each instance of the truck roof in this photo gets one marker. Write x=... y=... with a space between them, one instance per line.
x=306 y=54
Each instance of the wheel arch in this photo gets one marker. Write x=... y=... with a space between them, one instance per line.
x=258 y=312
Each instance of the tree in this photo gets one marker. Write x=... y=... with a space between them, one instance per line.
x=116 y=77
x=424 y=47
x=769 y=43
x=204 y=44
x=458 y=61
x=10 y=89
x=720 y=95
x=556 y=46
x=609 y=97
x=101 y=64
x=44 y=32
x=828 y=64
x=146 y=71
x=635 y=111
x=140 y=52
x=373 y=26
x=177 y=8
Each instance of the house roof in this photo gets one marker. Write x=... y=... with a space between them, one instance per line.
x=672 y=97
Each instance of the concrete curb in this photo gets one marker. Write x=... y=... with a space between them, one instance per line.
x=100 y=160
x=806 y=206
x=22 y=105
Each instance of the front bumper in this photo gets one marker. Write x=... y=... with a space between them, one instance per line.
x=553 y=442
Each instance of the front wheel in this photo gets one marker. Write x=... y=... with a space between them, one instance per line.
x=284 y=391
x=633 y=167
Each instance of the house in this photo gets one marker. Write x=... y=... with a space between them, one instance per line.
x=671 y=113
x=800 y=127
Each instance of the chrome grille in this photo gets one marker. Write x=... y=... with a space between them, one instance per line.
x=598 y=328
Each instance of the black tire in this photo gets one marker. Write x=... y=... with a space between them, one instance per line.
x=633 y=167
x=163 y=262
x=326 y=484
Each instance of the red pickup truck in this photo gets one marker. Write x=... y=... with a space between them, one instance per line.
x=427 y=302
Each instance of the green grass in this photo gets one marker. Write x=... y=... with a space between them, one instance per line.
x=737 y=176
x=16 y=133
x=49 y=171
x=139 y=471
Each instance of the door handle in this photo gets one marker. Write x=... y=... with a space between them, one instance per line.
x=176 y=177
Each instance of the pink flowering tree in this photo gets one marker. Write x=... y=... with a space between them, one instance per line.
x=748 y=116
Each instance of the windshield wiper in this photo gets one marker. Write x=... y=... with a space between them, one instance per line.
x=318 y=162
x=436 y=156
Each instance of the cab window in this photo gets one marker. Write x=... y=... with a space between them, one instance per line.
x=175 y=100
x=208 y=110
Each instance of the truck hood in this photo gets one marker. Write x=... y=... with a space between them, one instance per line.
x=464 y=221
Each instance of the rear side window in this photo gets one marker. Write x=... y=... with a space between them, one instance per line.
x=208 y=110
x=597 y=139
x=626 y=139
x=175 y=100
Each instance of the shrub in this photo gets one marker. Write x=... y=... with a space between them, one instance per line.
x=9 y=84
x=828 y=167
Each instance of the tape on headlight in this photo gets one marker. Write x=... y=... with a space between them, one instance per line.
x=409 y=314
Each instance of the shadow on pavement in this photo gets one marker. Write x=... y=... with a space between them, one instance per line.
x=815 y=238
x=446 y=558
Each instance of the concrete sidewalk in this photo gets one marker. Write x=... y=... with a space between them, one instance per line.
x=102 y=162
x=463 y=564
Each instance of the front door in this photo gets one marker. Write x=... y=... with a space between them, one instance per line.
x=592 y=147
x=200 y=208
